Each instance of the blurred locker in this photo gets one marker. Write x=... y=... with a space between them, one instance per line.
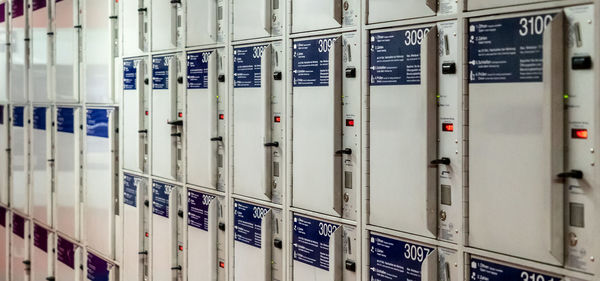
x=5 y=153
x=205 y=23
x=136 y=110
x=390 y=10
x=65 y=51
x=487 y=4
x=20 y=261
x=69 y=265
x=136 y=222
x=18 y=45
x=39 y=51
x=20 y=159
x=167 y=232
x=42 y=165
x=5 y=232
x=312 y=15
x=99 y=269
x=4 y=52
x=135 y=26
x=263 y=18
x=42 y=253
x=488 y=269
x=167 y=26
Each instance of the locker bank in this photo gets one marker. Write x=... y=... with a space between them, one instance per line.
x=299 y=140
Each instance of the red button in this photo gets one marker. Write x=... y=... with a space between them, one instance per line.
x=448 y=127
x=350 y=122
x=147 y=234
x=579 y=133
x=221 y=264
x=277 y=119
x=180 y=248
x=146 y=112
x=221 y=116
x=180 y=114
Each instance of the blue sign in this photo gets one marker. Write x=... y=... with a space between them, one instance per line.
x=198 y=204
x=507 y=50
x=160 y=72
x=160 y=198
x=97 y=122
x=197 y=70
x=2 y=12
x=97 y=268
x=129 y=74
x=64 y=120
x=1 y=114
x=311 y=62
x=38 y=4
x=395 y=260
x=65 y=252
x=18 y=8
x=482 y=270
x=130 y=190
x=18 y=116
x=247 y=223
x=18 y=226
x=247 y=66
x=395 y=57
x=311 y=241
x=40 y=237
x=39 y=118
x=2 y=216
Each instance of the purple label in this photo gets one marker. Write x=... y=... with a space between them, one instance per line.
x=1 y=114
x=18 y=8
x=311 y=241
x=65 y=251
x=97 y=122
x=38 y=4
x=247 y=221
x=97 y=268
x=40 y=237
x=2 y=12
x=198 y=204
x=19 y=226
x=395 y=260
x=2 y=216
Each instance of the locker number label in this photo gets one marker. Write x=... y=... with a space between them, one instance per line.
x=392 y=259
x=311 y=239
x=483 y=270
x=247 y=223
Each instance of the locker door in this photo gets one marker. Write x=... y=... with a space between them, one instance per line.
x=68 y=259
x=17 y=70
x=67 y=193
x=252 y=19
x=41 y=257
x=164 y=231
x=3 y=52
x=310 y=15
x=135 y=222
x=403 y=130
x=38 y=70
x=101 y=191
x=486 y=4
x=20 y=257
x=97 y=51
x=202 y=227
x=204 y=21
x=517 y=127
x=135 y=129
x=487 y=269
x=98 y=268
x=203 y=136
x=166 y=24
x=317 y=125
x=42 y=164
x=66 y=51
x=135 y=19
x=4 y=242
x=317 y=250
x=252 y=119
x=19 y=159
x=252 y=242
x=4 y=153
x=389 y=10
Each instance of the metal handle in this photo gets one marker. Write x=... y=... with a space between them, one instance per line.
x=346 y=151
x=216 y=139
x=143 y=253
x=441 y=161
x=574 y=174
x=176 y=123
x=272 y=144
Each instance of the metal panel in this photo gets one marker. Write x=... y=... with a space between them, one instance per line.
x=253 y=242
x=100 y=179
x=203 y=242
x=68 y=174
x=19 y=144
x=97 y=51
x=19 y=249
x=136 y=113
x=517 y=127
x=165 y=205
x=5 y=113
x=42 y=164
x=135 y=26
x=40 y=49
x=309 y=15
x=5 y=218
x=389 y=10
x=136 y=224
x=166 y=24
x=205 y=23
x=66 y=51
x=17 y=72
x=317 y=250
x=4 y=52
x=256 y=20
x=486 y=4
x=41 y=253
x=68 y=260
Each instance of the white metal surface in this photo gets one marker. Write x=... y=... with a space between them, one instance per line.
x=17 y=69
x=4 y=52
x=253 y=263
x=164 y=230
x=205 y=21
x=20 y=159
x=20 y=248
x=388 y=10
x=5 y=114
x=66 y=51
x=256 y=19
x=309 y=15
x=97 y=51
x=202 y=243
x=136 y=225
x=135 y=26
x=166 y=24
x=486 y=4
x=42 y=255
x=135 y=110
x=42 y=165
x=38 y=69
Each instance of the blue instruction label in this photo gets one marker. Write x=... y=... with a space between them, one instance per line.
x=395 y=260
x=311 y=62
x=130 y=183
x=160 y=198
x=197 y=70
x=64 y=120
x=198 y=204
x=65 y=252
x=247 y=223
x=97 y=268
x=160 y=72
x=97 y=122
x=40 y=237
x=129 y=74
x=39 y=118
x=247 y=66
x=311 y=241
x=482 y=270
x=18 y=116
x=2 y=12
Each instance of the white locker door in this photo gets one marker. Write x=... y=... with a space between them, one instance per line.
x=166 y=20
x=19 y=251
x=202 y=134
x=4 y=245
x=19 y=159
x=100 y=142
x=3 y=52
x=252 y=242
x=403 y=130
x=135 y=14
x=97 y=51
x=251 y=19
x=310 y=15
x=203 y=20
x=38 y=70
x=42 y=164
x=317 y=250
x=4 y=153
x=17 y=52
x=389 y=10
x=66 y=54
x=516 y=134
x=98 y=269
x=67 y=192
x=68 y=259
x=164 y=230
x=41 y=253
x=202 y=236
x=317 y=124
x=134 y=252
x=486 y=4
x=403 y=260
x=134 y=129
x=252 y=118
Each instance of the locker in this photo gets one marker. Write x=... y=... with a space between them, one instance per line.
x=100 y=47
x=311 y=15
x=68 y=174
x=40 y=49
x=257 y=20
x=69 y=265
x=4 y=153
x=481 y=268
x=258 y=94
x=525 y=145
x=3 y=52
x=101 y=163
x=4 y=242
x=17 y=79
x=487 y=4
x=98 y=269
x=20 y=260
x=327 y=104
x=65 y=51
x=42 y=165
x=167 y=116
x=323 y=251
x=258 y=246
x=405 y=260
x=206 y=238
x=167 y=26
x=448 y=261
x=205 y=23
x=20 y=159
x=136 y=223
x=206 y=90
x=135 y=27
x=167 y=232
x=136 y=108
x=390 y=10
x=42 y=256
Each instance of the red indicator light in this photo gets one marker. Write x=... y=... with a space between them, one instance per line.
x=146 y=112
x=221 y=264
x=277 y=119
x=180 y=114
x=579 y=133
x=448 y=127
x=221 y=116
x=350 y=122
x=147 y=234
x=180 y=248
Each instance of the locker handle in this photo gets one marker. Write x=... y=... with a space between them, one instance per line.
x=27 y=262
x=176 y=267
x=346 y=151
x=277 y=75
x=51 y=278
x=221 y=78
x=581 y=62
x=143 y=131
x=272 y=144
x=143 y=253
x=449 y=68
x=222 y=226
x=575 y=174
x=216 y=139
x=176 y=134
x=351 y=72
x=350 y=265
x=51 y=160
x=176 y=123
x=142 y=10
x=441 y=161
x=146 y=203
x=277 y=243
x=175 y=1
x=180 y=213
